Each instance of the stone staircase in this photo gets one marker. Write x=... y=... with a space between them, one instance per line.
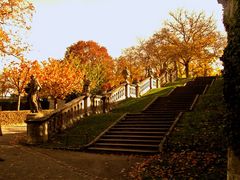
x=144 y=132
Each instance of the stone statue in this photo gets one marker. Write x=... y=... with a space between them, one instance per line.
x=32 y=89
x=126 y=74
x=150 y=72
x=86 y=85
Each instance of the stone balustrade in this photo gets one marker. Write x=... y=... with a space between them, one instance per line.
x=40 y=128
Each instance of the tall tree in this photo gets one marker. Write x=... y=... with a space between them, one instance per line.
x=191 y=37
x=93 y=61
x=132 y=59
x=5 y=86
x=15 y=16
x=17 y=74
x=58 y=79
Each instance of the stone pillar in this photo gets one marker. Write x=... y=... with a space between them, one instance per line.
x=87 y=103
x=104 y=105
x=150 y=80
x=93 y=105
x=137 y=90
x=127 y=90
x=37 y=129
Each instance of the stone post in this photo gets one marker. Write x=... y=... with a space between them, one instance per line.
x=137 y=90
x=93 y=105
x=104 y=105
x=37 y=129
x=87 y=103
x=126 y=90
x=150 y=80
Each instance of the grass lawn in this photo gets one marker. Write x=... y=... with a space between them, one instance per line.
x=197 y=148
x=90 y=127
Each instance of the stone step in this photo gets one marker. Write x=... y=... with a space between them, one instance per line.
x=152 y=116
x=166 y=109
x=127 y=145
x=170 y=106
x=145 y=133
x=156 y=113
x=122 y=150
x=142 y=137
x=147 y=119
x=146 y=114
x=138 y=129
x=132 y=141
x=143 y=125
x=145 y=122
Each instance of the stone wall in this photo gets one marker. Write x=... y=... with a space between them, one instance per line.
x=231 y=85
x=15 y=117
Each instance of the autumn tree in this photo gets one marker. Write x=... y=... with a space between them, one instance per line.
x=156 y=55
x=93 y=61
x=15 y=16
x=58 y=79
x=131 y=59
x=191 y=38
x=5 y=86
x=17 y=75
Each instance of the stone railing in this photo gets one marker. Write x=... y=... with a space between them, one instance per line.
x=39 y=129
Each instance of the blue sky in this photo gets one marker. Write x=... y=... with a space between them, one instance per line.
x=115 y=24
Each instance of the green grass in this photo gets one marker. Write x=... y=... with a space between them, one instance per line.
x=204 y=126
x=90 y=127
x=197 y=147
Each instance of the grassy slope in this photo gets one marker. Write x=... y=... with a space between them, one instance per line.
x=197 y=147
x=91 y=126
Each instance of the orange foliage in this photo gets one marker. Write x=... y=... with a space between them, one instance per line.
x=59 y=78
x=191 y=39
x=93 y=61
x=17 y=74
x=14 y=17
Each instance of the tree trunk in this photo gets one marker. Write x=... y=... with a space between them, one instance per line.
x=205 y=71
x=186 y=69
x=233 y=166
x=55 y=103
x=176 y=68
x=19 y=102
x=0 y=129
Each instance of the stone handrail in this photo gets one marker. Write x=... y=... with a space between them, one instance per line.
x=118 y=94
x=144 y=86
x=132 y=91
x=39 y=129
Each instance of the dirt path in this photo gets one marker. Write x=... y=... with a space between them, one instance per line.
x=22 y=162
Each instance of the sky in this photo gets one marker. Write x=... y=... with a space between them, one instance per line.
x=115 y=24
